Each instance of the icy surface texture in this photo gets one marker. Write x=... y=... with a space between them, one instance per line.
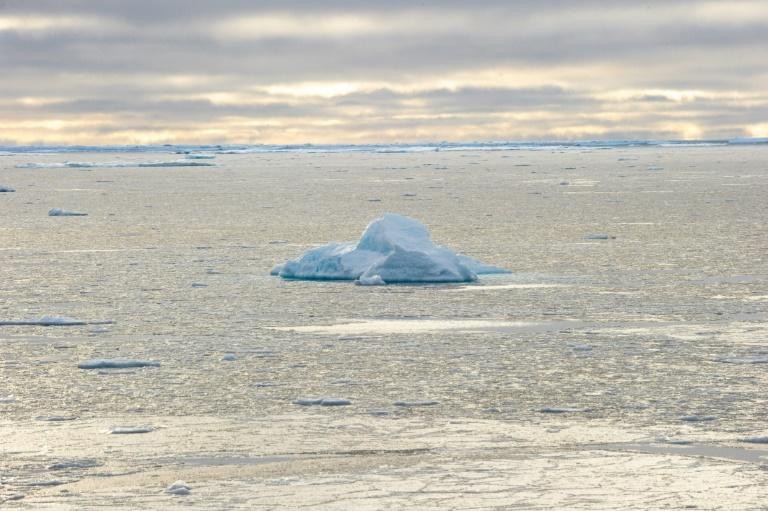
x=393 y=249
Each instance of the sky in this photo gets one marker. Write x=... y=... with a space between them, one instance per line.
x=313 y=71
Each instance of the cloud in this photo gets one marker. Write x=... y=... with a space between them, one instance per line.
x=350 y=70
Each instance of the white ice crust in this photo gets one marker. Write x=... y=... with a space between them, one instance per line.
x=393 y=249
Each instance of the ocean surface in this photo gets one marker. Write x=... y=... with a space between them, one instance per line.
x=622 y=364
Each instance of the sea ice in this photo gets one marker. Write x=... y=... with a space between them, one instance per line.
x=178 y=488
x=323 y=401
x=83 y=463
x=130 y=430
x=409 y=404
x=64 y=212
x=53 y=321
x=756 y=359
x=6 y=189
x=393 y=249
x=756 y=440
x=116 y=363
x=114 y=164
x=698 y=418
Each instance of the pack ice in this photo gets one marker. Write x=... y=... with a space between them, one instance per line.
x=393 y=249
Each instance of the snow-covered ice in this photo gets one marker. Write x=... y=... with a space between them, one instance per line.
x=392 y=249
x=64 y=212
x=116 y=363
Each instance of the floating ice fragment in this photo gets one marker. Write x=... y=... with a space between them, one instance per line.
x=393 y=249
x=8 y=399
x=178 y=488
x=53 y=321
x=408 y=404
x=229 y=357
x=375 y=280
x=116 y=363
x=55 y=418
x=756 y=359
x=130 y=430
x=698 y=418
x=550 y=409
x=755 y=440
x=599 y=237
x=82 y=463
x=323 y=401
x=64 y=212
x=6 y=189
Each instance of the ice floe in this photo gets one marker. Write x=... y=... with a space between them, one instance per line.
x=323 y=401
x=68 y=464
x=392 y=249
x=698 y=418
x=130 y=430
x=755 y=440
x=755 y=359
x=116 y=363
x=64 y=212
x=53 y=321
x=178 y=488
x=410 y=404
x=6 y=189
x=113 y=164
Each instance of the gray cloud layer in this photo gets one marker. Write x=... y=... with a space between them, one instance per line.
x=345 y=71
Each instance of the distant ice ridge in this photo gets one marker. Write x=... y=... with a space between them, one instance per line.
x=393 y=249
x=114 y=164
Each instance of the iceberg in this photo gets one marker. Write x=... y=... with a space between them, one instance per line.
x=393 y=249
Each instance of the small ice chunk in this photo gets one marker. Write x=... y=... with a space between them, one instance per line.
x=178 y=488
x=698 y=418
x=198 y=285
x=554 y=409
x=56 y=418
x=64 y=212
x=323 y=401
x=6 y=189
x=52 y=321
x=116 y=363
x=409 y=404
x=755 y=439
x=81 y=463
x=599 y=236
x=8 y=399
x=375 y=280
x=335 y=401
x=130 y=430
x=756 y=359
x=229 y=357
